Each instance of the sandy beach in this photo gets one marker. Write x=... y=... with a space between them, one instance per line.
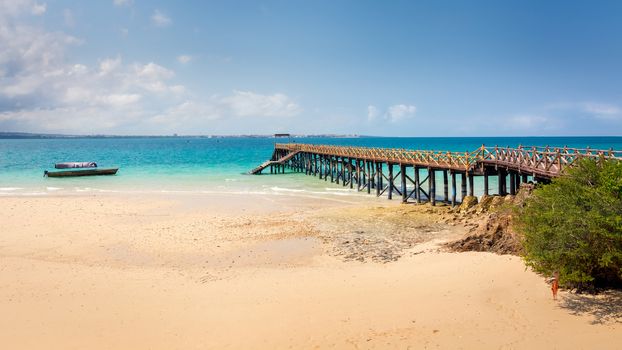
x=239 y=272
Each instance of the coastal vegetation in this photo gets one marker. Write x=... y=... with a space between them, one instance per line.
x=573 y=226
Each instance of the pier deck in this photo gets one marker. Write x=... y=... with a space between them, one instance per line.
x=373 y=168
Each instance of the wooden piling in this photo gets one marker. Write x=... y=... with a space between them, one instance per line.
x=486 y=190
x=403 y=183
x=445 y=187
x=390 y=189
x=417 y=185
x=346 y=172
x=378 y=179
x=512 y=183
x=463 y=186
x=471 y=187
x=358 y=174
x=350 y=173
x=369 y=176
x=453 y=189
x=502 y=182
x=432 y=186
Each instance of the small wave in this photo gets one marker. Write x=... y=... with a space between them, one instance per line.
x=331 y=192
x=53 y=188
x=281 y=189
x=11 y=188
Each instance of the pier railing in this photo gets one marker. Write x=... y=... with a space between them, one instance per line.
x=424 y=158
x=542 y=161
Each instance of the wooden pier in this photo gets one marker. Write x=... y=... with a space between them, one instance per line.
x=412 y=174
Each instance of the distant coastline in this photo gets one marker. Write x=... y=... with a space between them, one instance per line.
x=26 y=135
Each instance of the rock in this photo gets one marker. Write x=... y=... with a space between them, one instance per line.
x=467 y=203
x=524 y=192
x=484 y=204
x=495 y=203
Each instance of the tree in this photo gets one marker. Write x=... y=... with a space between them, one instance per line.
x=574 y=225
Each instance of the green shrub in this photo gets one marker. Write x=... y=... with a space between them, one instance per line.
x=574 y=226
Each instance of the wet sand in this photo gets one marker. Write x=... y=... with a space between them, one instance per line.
x=164 y=272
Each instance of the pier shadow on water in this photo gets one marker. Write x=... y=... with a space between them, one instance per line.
x=604 y=308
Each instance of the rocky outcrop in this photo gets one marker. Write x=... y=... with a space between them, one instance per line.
x=467 y=204
x=492 y=221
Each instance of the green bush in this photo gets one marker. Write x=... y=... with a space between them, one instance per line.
x=574 y=226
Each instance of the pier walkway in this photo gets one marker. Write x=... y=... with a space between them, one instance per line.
x=385 y=170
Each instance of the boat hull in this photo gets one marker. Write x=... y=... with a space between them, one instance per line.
x=83 y=172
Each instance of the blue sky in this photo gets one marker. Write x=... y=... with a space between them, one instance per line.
x=395 y=68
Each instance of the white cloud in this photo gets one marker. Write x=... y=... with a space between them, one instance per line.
x=159 y=19
x=122 y=2
x=240 y=104
x=183 y=59
x=68 y=18
x=372 y=113
x=13 y=8
x=527 y=121
x=109 y=65
x=397 y=113
x=41 y=91
x=393 y=114
x=248 y=103
x=602 y=111
x=38 y=9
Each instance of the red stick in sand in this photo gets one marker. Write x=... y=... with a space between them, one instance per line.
x=555 y=285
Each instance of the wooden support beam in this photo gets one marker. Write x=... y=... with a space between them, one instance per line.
x=345 y=171
x=351 y=173
x=378 y=178
x=432 y=186
x=512 y=183
x=417 y=185
x=390 y=168
x=337 y=170
x=502 y=184
x=445 y=187
x=486 y=189
x=332 y=169
x=358 y=174
x=524 y=178
x=471 y=187
x=327 y=168
x=369 y=177
x=463 y=186
x=314 y=164
x=382 y=175
x=403 y=181
x=453 y=189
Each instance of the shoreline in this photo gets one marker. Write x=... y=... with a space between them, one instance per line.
x=109 y=271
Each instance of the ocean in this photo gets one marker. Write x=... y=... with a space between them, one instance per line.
x=206 y=165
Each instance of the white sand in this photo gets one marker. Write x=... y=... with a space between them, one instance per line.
x=105 y=272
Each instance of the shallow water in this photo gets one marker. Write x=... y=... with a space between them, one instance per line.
x=206 y=165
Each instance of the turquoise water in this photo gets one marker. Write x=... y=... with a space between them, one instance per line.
x=204 y=165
